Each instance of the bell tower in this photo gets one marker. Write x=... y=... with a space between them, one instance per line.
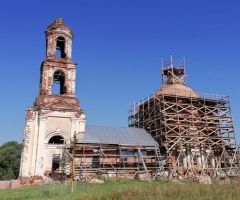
x=58 y=68
x=56 y=113
x=59 y=37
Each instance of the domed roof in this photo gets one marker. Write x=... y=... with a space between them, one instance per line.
x=178 y=90
x=58 y=25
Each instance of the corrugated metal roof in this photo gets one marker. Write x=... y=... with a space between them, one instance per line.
x=116 y=135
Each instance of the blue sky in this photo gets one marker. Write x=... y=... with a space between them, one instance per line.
x=118 y=46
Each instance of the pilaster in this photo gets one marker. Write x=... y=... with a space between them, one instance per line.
x=74 y=126
x=27 y=143
x=39 y=162
x=25 y=158
x=82 y=123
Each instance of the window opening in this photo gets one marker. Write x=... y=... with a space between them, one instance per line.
x=56 y=140
x=95 y=159
x=58 y=83
x=60 y=48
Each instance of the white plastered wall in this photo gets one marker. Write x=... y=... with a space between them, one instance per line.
x=37 y=157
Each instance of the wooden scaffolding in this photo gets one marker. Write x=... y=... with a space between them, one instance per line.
x=195 y=131
x=111 y=160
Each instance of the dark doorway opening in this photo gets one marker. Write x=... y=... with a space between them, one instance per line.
x=55 y=166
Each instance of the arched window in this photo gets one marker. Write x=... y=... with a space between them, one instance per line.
x=56 y=140
x=60 y=48
x=58 y=86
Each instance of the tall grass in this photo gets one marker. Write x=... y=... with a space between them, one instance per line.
x=134 y=190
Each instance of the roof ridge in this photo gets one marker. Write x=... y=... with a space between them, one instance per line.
x=112 y=126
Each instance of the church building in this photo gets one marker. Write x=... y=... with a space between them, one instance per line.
x=56 y=116
x=176 y=132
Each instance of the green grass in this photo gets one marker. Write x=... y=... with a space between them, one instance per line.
x=134 y=190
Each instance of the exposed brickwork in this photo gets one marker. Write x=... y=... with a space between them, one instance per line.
x=56 y=32
x=4 y=184
x=14 y=183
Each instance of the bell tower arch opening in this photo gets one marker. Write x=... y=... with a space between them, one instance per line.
x=60 y=47
x=58 y=86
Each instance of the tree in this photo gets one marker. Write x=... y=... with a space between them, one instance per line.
x=10 y=155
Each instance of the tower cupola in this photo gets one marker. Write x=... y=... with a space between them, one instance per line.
x=59 y=40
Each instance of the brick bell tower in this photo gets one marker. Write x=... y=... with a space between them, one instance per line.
x=56 y=114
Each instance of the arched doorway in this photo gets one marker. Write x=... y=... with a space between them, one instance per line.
x=54 y=143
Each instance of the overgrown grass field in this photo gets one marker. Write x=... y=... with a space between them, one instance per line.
x=132 y=189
